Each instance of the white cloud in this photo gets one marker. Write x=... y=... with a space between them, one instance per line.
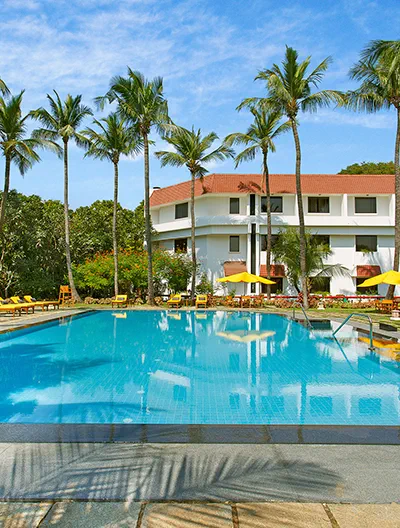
x=379 y=120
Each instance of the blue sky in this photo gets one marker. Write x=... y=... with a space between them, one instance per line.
x=208 y=52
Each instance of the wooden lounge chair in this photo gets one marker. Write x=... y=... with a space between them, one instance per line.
x=22 y=304
x=6 y=307
x=44 y=304
x=175 y=300
x=201 y=301
x=120 y=300
x=385 y=306
x=65 y=295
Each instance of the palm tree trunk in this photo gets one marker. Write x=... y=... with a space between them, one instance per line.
x=75 y=294
x=115 y=240
x=396 y=259
x=302 y=227
x=269 y=219
x=148 y=220
x=193 y=233
x=5 y=192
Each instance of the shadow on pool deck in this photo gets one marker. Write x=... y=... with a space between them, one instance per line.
x=199 y=472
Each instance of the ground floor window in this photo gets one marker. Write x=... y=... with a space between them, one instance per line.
x=180 y=245
x=372 y=290
x=320 y=285
x=275 y=288
x=366 y=243
x=234 y=245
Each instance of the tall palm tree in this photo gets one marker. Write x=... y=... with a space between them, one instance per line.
x=4 y=88
x=289 y=90
x=15 y=146
x=259 y=138
x=113 y=139
x=142 y=102
x=191 y=149
x=61 y=122
x=378 y=72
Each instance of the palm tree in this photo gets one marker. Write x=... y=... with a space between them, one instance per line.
x=3 y=88
x=113 y=140
x=260 y=138
x=61 y=122
x=141 y=102
x=191 y=150
x=378 y=71
x=14 y=145
x=289 y=90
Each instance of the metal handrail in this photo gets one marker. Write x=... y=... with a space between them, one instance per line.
x=371 y=346
x=304 y=312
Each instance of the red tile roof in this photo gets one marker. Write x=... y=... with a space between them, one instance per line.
x=280 y=184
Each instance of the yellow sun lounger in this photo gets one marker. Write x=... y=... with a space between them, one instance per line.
x=201 y=301
x=120 y=300
x=175 y=300
x=23 y=305
x=9 y=307
x=43 y=304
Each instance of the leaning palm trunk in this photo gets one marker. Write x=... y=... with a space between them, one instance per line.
x=5 y=192
x=115 y=239
x=396 y=258
x=302 y=228
x=75 y=294
x=193 y=233
x=266 y=182
x=147 y=219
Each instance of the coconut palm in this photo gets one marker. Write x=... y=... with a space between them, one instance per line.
x=259 y=138
x=289 y=90
x=378 y=72
x=15 y=146
x=142 y=102
x=3 y=88
x=61 y=122
x=191 y=149
x=286 y=250
x=113 y=140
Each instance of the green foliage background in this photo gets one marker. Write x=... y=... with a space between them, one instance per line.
x=369 y=167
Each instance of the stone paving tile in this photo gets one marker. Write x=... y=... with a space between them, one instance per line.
x=366 y=515
x=187 y=516
x=279 y=514
x=93 y=515
x=22 y=514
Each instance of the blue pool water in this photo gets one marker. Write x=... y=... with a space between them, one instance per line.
x=182 y=367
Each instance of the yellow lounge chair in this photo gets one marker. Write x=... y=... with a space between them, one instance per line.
x=201 y=301
x=9 y=307
x=120 y=300
x=175 y=300
x=43 y=304
x=23 y=305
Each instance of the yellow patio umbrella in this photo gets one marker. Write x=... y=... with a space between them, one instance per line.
x=390 y=277
x=245 y=277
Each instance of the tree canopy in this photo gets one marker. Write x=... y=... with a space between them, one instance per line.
x=369 y=167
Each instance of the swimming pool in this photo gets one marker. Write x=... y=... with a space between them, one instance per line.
x=186 y=367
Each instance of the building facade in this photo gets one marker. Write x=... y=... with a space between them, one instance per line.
x=353 y=214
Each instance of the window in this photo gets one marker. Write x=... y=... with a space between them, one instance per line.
x=275 y=288
x=234 y=205
x=366 y=243
x=318 y=204
x=365 y=205
x=180 y=245
x=322 y=240
x=372 y=290
x=234 y=244
x=252 y=204
x=274 y=240
x=320 y=284
x=276 y=204
x=181 y=210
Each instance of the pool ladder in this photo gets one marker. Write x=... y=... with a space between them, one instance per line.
x=371 y=345
x=304 y=312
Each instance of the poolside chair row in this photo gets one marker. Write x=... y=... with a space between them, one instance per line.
x=17 y=305
x=177 y=301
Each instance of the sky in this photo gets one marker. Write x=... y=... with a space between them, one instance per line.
x=208 y=52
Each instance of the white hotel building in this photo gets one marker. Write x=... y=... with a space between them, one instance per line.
x=354 y=214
